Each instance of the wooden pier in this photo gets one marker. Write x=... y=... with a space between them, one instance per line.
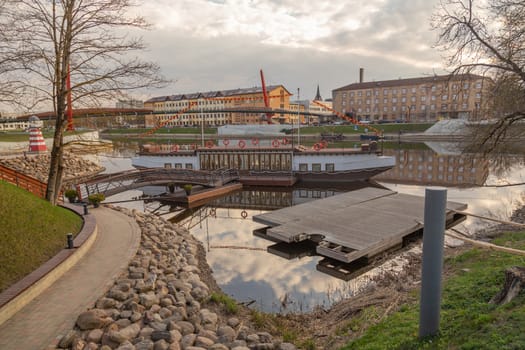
x=355 y=226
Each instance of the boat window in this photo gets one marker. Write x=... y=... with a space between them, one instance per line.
x=329 y=166
x=167 y=165
x=189 y=166
x=316 y=167
x=178 y=165
x=303 y=167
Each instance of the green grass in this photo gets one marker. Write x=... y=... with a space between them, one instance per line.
x=350 y=129
x=468 y=320
x=228 y=303
x=31 y=232
x=21 y=136
x=176 y=130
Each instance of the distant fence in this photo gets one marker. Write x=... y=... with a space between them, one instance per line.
x=37 y=187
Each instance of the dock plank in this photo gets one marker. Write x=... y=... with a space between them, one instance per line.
x=352 y=225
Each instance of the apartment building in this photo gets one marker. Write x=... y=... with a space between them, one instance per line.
x=424 y=99
x=216 y=107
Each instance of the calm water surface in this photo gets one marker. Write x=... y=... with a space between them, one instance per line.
x=245 y=269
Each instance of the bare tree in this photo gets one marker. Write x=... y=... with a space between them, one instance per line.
x=488 y=38
x=91 y=39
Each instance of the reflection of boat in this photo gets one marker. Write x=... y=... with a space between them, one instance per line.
x=278 y=164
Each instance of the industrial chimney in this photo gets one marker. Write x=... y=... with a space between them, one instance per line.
x=361 y=74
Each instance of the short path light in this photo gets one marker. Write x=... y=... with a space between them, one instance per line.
x=70 y=241
x=85 y=209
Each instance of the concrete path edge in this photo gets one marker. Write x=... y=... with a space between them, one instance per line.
x=24 y=291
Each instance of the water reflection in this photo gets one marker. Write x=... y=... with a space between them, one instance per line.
x=245 y=269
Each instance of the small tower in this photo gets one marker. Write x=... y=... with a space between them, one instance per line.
x=36 y=140
x=318 y=95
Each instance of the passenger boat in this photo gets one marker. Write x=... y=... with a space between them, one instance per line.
x=270 y=162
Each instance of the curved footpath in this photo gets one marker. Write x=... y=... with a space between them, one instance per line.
x=41 y=323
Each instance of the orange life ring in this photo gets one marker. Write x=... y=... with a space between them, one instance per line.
x=317 y=147
x=244 y=214
x=242 y=143
x=209 y=144
x=255 y=142
x=275 y=143
x=225 y=142
x=324 y=144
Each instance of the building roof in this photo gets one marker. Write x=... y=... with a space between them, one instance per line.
x=409 y=81
x=212 y=94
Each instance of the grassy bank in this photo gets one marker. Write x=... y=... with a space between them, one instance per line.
x=31 y=232
x=468 y=320
x=22 y=136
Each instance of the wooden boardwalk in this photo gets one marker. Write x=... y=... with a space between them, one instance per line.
x=355 y=225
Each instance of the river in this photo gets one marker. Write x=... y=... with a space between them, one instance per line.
x=245 y=269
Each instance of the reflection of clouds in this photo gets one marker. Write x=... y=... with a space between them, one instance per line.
x=296 y=278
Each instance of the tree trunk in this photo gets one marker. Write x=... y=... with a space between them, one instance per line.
x=514 y=283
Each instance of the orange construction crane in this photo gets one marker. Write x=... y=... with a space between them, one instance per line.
x=344 y=117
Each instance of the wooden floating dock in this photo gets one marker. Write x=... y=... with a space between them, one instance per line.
x=353 y=227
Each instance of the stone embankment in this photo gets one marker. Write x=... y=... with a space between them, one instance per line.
x=162 y=302
x=37 y=166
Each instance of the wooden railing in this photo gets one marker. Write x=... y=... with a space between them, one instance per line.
x=37 y=187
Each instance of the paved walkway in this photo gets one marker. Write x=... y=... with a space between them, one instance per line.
x=41 y=323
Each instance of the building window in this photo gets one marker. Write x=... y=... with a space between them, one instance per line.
x=433 y=97
x=413 y=99
x=433 y=88
x=478 y=85
x=303 y=167
x=466 y=85
x=367 y=101
x=360 y=93
x=444 y=97
x=464 y=105
x=454 y=97
x=413 y=90
x=444 y=107
x=394 y=99
x=403 y=91
x=385 y=109
x=368 y=93
x=478 y=95
x=376 y=92
x=394 y=91
x=385 y=100
x=394 y=108
x=423 y=98
x=329 y=167
x=316 y=166
x=385 y=91
x=403 y=99
x=432 y=107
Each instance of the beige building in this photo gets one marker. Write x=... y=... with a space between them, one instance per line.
x=216 y=107
x=425 y=99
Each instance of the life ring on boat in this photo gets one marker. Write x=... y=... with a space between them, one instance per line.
x=324 y=144
x=255 y=141
x=244 y=214
x=175 y=148
x=225 y=142
x=317 y=147
x=209 y=144
x=242 y=144
x=275 y=143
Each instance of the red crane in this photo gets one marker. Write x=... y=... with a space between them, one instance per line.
x=265 y=97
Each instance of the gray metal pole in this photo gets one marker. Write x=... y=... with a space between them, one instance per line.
x=433 y=240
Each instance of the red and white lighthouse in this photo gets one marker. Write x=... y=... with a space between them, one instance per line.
x=36 y=140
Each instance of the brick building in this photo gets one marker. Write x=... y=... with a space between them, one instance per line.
x=216 y=107
x=424 y=99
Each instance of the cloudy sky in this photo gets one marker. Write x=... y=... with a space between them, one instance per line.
x=221 y=44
